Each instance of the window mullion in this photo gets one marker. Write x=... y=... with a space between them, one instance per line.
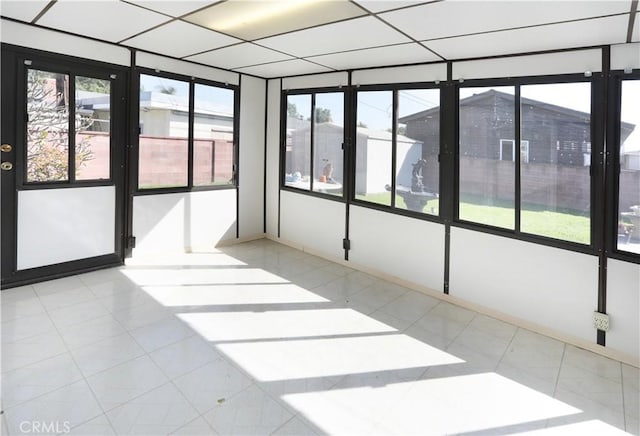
x=517 y=154
x=394 y=134
x=190 y=134
x=312 y=140
x=71 y=137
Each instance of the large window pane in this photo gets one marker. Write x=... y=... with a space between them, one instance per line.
x=373 y=146
x=93 y=131
x=47 y=126
x=213 y=136
x=555 y=160
x=417 y=149
x=298 y=142
x=164 y=130
x=328 y=137
x=629 y=195
x=487 y=176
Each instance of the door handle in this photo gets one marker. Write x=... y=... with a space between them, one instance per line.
x=6 y=148
x=6 y=166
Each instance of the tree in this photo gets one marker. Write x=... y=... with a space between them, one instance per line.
x=171 y=90
x=361 y=124
x=323 y=115
x=292 y=110
x=48 y=129
x=93 y=85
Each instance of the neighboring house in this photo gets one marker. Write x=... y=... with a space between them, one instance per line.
x=550 y=134
x=164 y=124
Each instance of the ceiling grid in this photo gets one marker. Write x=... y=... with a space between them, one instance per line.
x=279 y=38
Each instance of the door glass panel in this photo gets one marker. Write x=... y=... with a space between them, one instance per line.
x=213 y=136
x=164 y=133
x=93 y=128
x=47 y=127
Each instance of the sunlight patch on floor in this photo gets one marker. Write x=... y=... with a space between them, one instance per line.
x=448 y=405
x=279 y=324
x=259 y=293
x=312 y=358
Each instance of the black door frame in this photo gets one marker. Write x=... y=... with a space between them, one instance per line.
x=12 y=85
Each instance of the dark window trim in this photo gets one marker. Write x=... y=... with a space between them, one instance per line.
x=191 y=81
x=596 y=141
x=283 y=138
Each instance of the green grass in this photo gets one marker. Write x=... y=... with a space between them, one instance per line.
x=565 y=225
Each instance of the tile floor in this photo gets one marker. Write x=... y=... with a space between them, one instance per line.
x=263 y=339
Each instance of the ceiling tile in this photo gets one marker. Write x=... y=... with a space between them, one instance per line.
x=173 y=8
x=611 y=30
x=22 y=10
x=253 y=19
x=240 y=55
x=385 y=5
x=193 y=39
x=434 y=20
x=354 y=34
x=380 y=56
x=109 y=20
x=283 y=69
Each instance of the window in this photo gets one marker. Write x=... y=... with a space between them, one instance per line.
x=186 y=134
x=213 y=151
x=397 y=149
x=556 y=183
x=374 y=146
x=508 y=150
x=68 y=128
x=628 y=236
x=545 y=189
x=314 y=156
x=487 y=173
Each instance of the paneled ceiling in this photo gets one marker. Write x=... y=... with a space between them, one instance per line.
x=276 y=38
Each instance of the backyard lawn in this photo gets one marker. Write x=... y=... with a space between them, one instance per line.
x=566 y=226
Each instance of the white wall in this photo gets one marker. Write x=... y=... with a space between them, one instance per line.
x=623 y=307
x=61 y=225
x=57 y=42
x=252 y=136
x=169 y=65
x=553 y=288
x=183 y=221
x=273 y=156
x=417 y=73
x=407 y=248
x=578 y=61
x=313 y=223
x=625 y=56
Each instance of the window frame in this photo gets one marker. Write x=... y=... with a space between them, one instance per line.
x=312 y=92
x=73 y=70
x=596 y=165
x=135 y=128
x=395 y=90
x=614 y=161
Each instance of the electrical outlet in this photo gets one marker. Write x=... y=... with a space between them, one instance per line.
x=601 y=321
